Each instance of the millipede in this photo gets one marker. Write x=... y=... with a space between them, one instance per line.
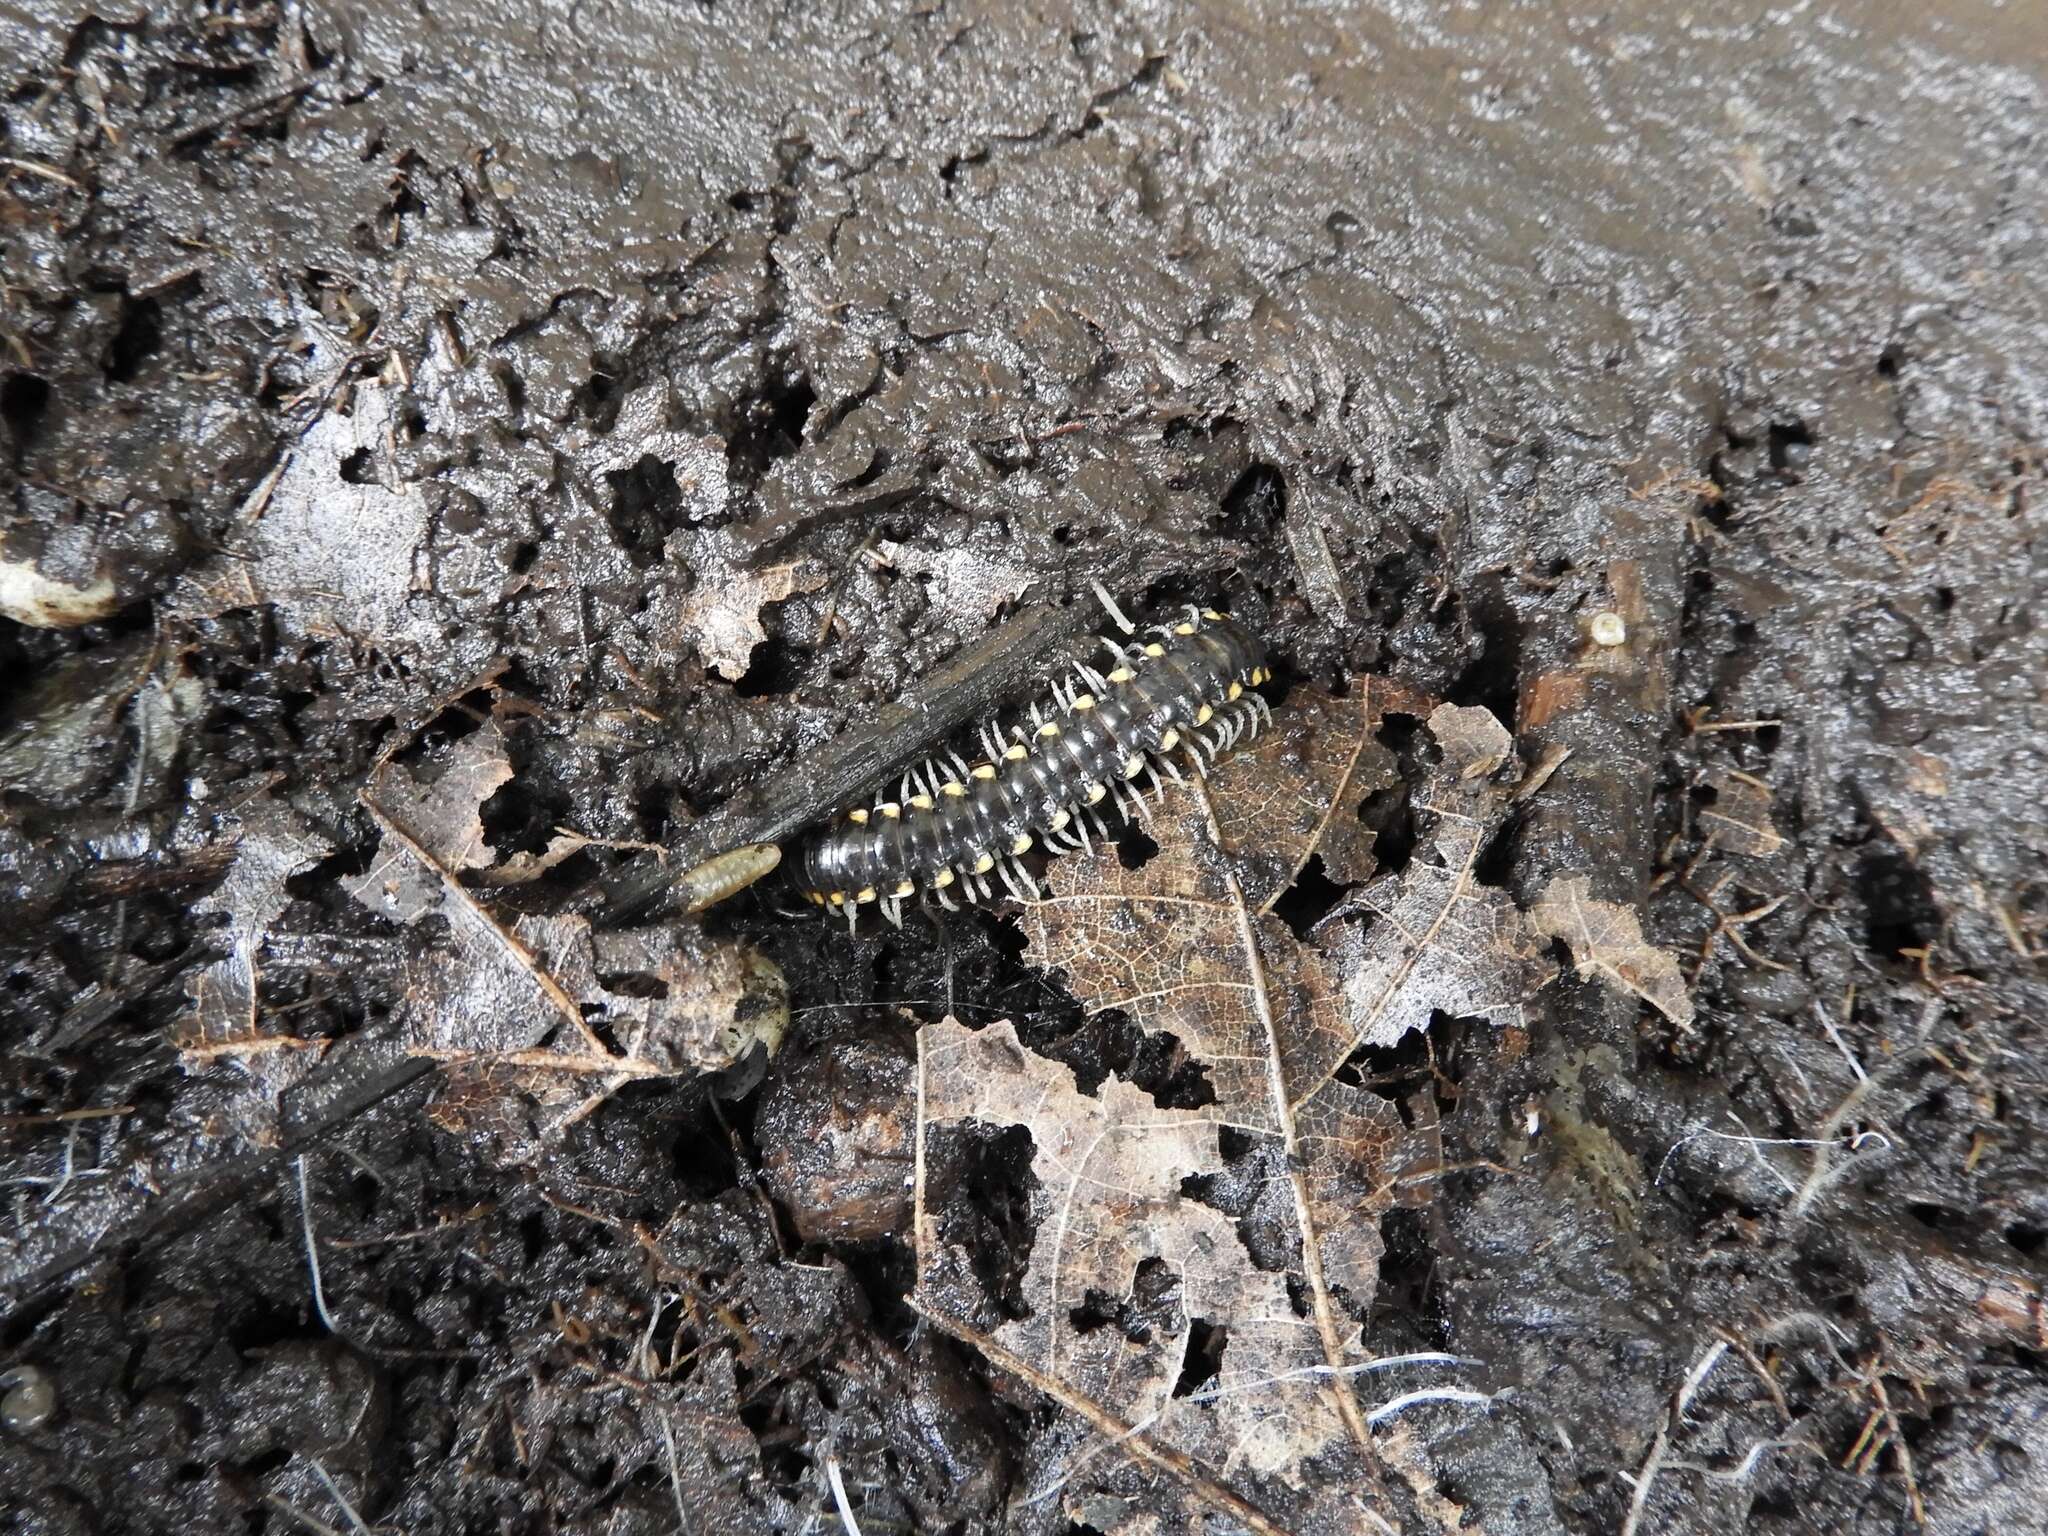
x=956 y=829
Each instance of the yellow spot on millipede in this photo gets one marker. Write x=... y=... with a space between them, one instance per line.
x=1050 y=728
x=984 y=864
x=859 y=818
x=1016 y=752
x=1204 y=715
x=984 y=770
x=1022 y=843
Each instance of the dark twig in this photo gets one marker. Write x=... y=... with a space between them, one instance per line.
x=992 y=669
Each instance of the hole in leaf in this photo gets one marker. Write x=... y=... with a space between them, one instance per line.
x=1310 y=899
x=646 y=506
x=1203 y=1362
x=1254 y=505
x=1135 y=847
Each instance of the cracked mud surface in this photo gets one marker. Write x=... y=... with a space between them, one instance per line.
x=699 y=381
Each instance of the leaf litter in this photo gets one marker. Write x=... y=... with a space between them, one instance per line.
x=1280 y=1435
x=535 y=1021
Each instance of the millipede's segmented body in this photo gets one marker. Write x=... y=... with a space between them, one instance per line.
x=1183 y=689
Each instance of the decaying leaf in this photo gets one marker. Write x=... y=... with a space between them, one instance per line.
x=1606 y=940
x=337 y=550
x=969 y=582
x=1280 y=1439
x=1298 y=792
x=538 y=1022
x=720 y=615
x=1739 y=819
x=443 y=815
x=226 y=1019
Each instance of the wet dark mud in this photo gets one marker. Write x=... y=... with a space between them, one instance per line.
x=672 y=388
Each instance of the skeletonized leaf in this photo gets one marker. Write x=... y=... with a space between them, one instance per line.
x=443 y=815
x=1280 y=1440
x=1438 y=941
x=1606 y=940
x=1739 y=820
x=225 y=1019
x=967 y=581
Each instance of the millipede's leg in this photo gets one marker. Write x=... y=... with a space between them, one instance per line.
x=1171 y=771
x=1265 y=709
x=852 y=917
x=1095 y=679
x=1152 y=777
x=892 y=909
x=1006 y=868
x=989 y=744
x=945 y=900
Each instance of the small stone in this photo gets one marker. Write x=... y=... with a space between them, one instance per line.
x=835 y=1129
x=31 y=1400
x=1608 y=628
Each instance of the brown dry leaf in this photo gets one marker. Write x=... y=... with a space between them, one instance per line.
x=443 y=815
x=523 y=866
x=1606 y=940
x=1281 y=1440
x=1299 y=791
x=226 y=1015
x=1739 y=820
x=539 y=1023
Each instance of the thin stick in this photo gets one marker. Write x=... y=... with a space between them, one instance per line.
x=313 y=1256
x=839 y=1496
x=327 y=1482
x=1644 y=1478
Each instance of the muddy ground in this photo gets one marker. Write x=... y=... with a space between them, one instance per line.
x=377 y=374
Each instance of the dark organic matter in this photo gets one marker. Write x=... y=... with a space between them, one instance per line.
x=591 y=440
